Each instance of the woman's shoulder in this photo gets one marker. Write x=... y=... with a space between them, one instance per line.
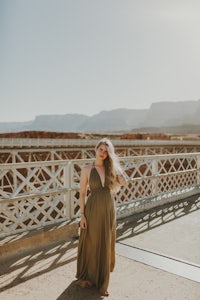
x=87 y=168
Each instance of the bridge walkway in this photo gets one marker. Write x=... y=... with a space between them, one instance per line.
x=157 y=258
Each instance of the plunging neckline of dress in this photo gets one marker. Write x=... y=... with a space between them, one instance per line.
x=103 y=185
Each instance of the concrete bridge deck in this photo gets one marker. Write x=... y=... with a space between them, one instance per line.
x=157 y=258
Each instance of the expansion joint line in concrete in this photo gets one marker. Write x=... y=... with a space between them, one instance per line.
x=170 y=264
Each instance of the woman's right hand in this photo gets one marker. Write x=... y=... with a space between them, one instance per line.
x=83 y=222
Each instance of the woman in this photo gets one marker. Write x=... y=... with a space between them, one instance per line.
x=96 y=249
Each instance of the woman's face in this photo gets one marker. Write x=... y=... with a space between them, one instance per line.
x=101 y=152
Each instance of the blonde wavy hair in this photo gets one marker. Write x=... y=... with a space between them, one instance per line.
x=111 y=164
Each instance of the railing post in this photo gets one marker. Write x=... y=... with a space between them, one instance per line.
x=67 y=185
x=82 y=153
x=154 y=179
x=53 y=169
x=198 y=168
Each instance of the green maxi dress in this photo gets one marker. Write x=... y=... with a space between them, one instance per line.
x=96 y=248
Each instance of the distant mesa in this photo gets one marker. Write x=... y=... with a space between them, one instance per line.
x=162 y=117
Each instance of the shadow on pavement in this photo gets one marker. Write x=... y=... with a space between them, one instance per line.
x=150 y=219
x=24 y=267
x=74 y=292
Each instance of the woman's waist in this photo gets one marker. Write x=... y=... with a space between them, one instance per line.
x=100 y=189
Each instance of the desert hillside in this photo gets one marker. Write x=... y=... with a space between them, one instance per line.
x=111 y=135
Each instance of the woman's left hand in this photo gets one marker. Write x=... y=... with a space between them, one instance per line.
x=83 y=222
x=121 y=180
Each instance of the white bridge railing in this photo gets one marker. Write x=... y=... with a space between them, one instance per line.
x=45 y=142
x=37 y=194
x=30 y=150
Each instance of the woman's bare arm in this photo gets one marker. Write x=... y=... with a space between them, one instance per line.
x=121 y=179
x=83 y=193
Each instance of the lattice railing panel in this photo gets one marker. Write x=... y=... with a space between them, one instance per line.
x=137 y=190
x=33 y=156
x=6 y=157
x=31 y=179
x=32 y=212
x=137 y=169
x=174 y=182
x=41 y=193
x=176 y=164
x=135 y=151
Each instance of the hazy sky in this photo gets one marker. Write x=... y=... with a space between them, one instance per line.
x=84 y=56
